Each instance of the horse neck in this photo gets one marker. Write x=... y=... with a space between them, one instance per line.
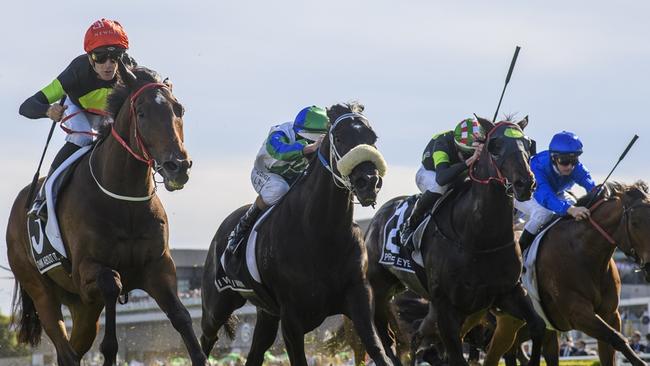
x=485 y=217
x=328 y=208
x=115 y=168
x=592 y=244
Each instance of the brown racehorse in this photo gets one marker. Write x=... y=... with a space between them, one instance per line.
x=114 y=245
x=579 y=284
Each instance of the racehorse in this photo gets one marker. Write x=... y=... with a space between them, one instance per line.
x=578 y=281
x=310 y=254
x=469 y=253
x=113 y=225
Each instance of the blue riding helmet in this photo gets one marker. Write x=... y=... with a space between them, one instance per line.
x=311 y=122
x=565 y=143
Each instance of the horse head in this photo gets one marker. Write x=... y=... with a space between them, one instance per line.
x=356 y=164
x=508 y=150
x=144 y=107
x=633 y=233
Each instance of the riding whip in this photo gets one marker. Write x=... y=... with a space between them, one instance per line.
x=512 y=67
x=32 y=187
x=600 y=188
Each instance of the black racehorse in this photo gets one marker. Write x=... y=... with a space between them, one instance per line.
x=470 y=256
x=310 y=254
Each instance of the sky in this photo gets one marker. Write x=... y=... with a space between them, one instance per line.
x=419 y=67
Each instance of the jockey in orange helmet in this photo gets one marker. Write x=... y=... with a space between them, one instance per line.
x=86 y=82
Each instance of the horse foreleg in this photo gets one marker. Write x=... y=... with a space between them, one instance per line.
x=519 y=305
x=551 y=348
x=160 y=283
x=294 y=337
x=109 y=286
x=606 y=352
x=359 y=310
x=266 y=330
x=449 y=322
x=502 y=339
x=587 y=321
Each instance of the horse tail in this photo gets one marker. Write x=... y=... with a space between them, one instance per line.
x=230 y=326
x=29 y=325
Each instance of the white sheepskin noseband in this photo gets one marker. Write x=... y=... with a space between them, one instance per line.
x=358 y=155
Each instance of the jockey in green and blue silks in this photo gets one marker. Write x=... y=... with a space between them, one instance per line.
x=556 y=171
x=280 y=161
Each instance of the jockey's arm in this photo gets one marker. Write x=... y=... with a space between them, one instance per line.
x=279 y=147
x=446 y=173
x=40 y=105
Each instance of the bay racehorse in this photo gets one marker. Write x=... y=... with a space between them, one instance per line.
x=471 y=260
x=578 y=281
x=113 y=225
x=310 y=254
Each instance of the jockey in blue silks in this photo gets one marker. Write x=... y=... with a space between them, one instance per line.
x=556 y=171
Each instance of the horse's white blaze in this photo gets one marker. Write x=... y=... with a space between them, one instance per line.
x=358 y=155
x=159 y=98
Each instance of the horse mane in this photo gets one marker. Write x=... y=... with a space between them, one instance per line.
x=121 y=91
x=614 y=188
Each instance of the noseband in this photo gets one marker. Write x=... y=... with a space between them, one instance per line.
x=500 y=178
x=340 y=180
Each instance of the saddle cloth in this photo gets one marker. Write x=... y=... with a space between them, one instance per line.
x=529 y=276
x=47 y=246
x=243 y=275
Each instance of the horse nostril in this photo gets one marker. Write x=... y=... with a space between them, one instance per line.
x=170 y=166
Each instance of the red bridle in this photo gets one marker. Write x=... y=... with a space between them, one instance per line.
x=145 y=157
x=499 y=178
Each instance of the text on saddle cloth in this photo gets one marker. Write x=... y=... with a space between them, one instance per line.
x=47 y=245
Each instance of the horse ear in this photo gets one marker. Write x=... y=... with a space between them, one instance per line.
x=523 y=123
x=485 y=123
x=169 y=83
x=126 y=75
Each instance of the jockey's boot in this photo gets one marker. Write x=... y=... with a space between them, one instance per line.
x=525 y=240
x=245 y=224
x=423 y=205
x=39 y=207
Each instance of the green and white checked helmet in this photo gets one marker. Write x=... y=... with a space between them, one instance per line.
x=464 y=134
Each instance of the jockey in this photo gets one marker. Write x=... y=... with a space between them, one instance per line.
x=87 y=81
x=556 y=171
x=446 y=157
x=280 y=162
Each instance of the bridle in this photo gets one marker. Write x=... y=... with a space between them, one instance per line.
x=499 y=178
x=145 y=157
x=627 y=249
x=340 y=180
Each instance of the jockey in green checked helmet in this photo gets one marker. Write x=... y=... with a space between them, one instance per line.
x=447 y=155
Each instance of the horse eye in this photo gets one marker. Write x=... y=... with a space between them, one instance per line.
x=140 y=114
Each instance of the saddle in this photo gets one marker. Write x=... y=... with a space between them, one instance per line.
x=47 y=245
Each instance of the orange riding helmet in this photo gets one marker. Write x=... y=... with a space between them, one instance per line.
x=105 y=32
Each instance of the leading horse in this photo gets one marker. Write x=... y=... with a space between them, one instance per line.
x=113 y=225
x=310 y=254
x=469 y=253
x=578 y=281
